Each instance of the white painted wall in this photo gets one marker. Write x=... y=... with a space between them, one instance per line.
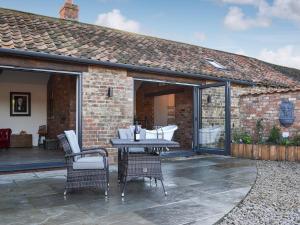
x=36 y=84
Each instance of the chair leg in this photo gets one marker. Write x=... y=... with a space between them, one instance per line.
x=163 y=186
x=107 y=176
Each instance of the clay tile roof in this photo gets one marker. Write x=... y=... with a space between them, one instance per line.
x=31 y=32
x=272 y=91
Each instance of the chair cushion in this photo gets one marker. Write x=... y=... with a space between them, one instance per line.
x=128 y=134
x=136 y=150
x=72 y=139
x=125 y=134
x=89 y=163
x=142 y=132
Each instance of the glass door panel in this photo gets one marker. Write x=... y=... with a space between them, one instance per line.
x=212 y=121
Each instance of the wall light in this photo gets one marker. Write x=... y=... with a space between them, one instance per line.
x=209 y=99
x=110 y=92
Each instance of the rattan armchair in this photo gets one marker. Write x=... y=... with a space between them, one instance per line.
x=86 y=168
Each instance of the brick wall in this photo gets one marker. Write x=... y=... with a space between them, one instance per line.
x=213 y=112
x=266 y=106
x=145 y=105
x=102 y=116
x=184 y=118
x=61 y=104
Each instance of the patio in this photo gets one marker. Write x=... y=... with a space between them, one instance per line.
x=201 y=190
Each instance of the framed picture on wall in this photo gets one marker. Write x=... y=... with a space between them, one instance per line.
x=20 y=104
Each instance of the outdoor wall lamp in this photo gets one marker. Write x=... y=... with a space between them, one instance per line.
x=209 y=99
x=110 y=92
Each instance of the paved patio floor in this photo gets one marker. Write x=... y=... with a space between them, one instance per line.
x=200 y=191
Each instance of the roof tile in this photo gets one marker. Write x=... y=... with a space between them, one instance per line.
x=25 y=31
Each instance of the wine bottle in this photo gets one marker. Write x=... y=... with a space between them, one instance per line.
x=136 y=132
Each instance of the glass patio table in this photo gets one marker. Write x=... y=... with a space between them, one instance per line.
x=140 y=164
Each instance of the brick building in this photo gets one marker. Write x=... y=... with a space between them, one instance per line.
x=98 y=79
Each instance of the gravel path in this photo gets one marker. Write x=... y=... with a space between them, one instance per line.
x=274 y=199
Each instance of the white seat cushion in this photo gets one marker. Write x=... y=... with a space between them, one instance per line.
x=72 y=139
x=89 y=163
x=136 y=150
x=128 y=134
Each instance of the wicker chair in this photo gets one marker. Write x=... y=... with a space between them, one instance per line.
x=137 y=162
x=84 y=170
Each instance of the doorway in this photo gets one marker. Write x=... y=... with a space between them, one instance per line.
x=160 y=104
x=53 y=100
x=212 y=119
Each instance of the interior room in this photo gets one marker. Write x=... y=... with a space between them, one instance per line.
x=163 y=105
x=35 y=108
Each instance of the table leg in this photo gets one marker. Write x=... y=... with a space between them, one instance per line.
x=163 y=186
x=124 y=173
x=124 y=187
x=119 y=164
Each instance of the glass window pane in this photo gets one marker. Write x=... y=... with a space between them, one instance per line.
x=212 y=123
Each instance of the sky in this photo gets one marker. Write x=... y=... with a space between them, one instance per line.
x=264 y=29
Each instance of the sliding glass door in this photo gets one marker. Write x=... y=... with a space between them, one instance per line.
x=212 y=118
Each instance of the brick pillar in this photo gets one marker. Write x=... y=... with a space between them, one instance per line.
x=103 y=115
x=61 y=110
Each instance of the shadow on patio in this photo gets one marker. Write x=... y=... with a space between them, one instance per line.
x=201 y=190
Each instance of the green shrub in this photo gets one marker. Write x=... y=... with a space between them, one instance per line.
x=296 y=140
x=286 y=142
x=275 y=135
x=243 y=137
x=259 y=128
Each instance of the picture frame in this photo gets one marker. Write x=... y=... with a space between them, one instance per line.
x=20 y=104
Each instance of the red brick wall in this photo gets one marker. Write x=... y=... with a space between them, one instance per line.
x=102 y=116
x=145 y=105
x=266 y=106
x=184 y=118
x=61 y=105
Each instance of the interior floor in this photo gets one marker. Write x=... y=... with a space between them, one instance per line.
x=29 y=158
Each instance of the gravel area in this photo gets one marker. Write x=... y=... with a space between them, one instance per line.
x=274 y=199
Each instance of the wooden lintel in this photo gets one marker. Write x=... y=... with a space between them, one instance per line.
x=165 y=92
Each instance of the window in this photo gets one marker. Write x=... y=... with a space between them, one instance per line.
x=216 y=64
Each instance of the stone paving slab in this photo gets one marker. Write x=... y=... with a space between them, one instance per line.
x=200 y=191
